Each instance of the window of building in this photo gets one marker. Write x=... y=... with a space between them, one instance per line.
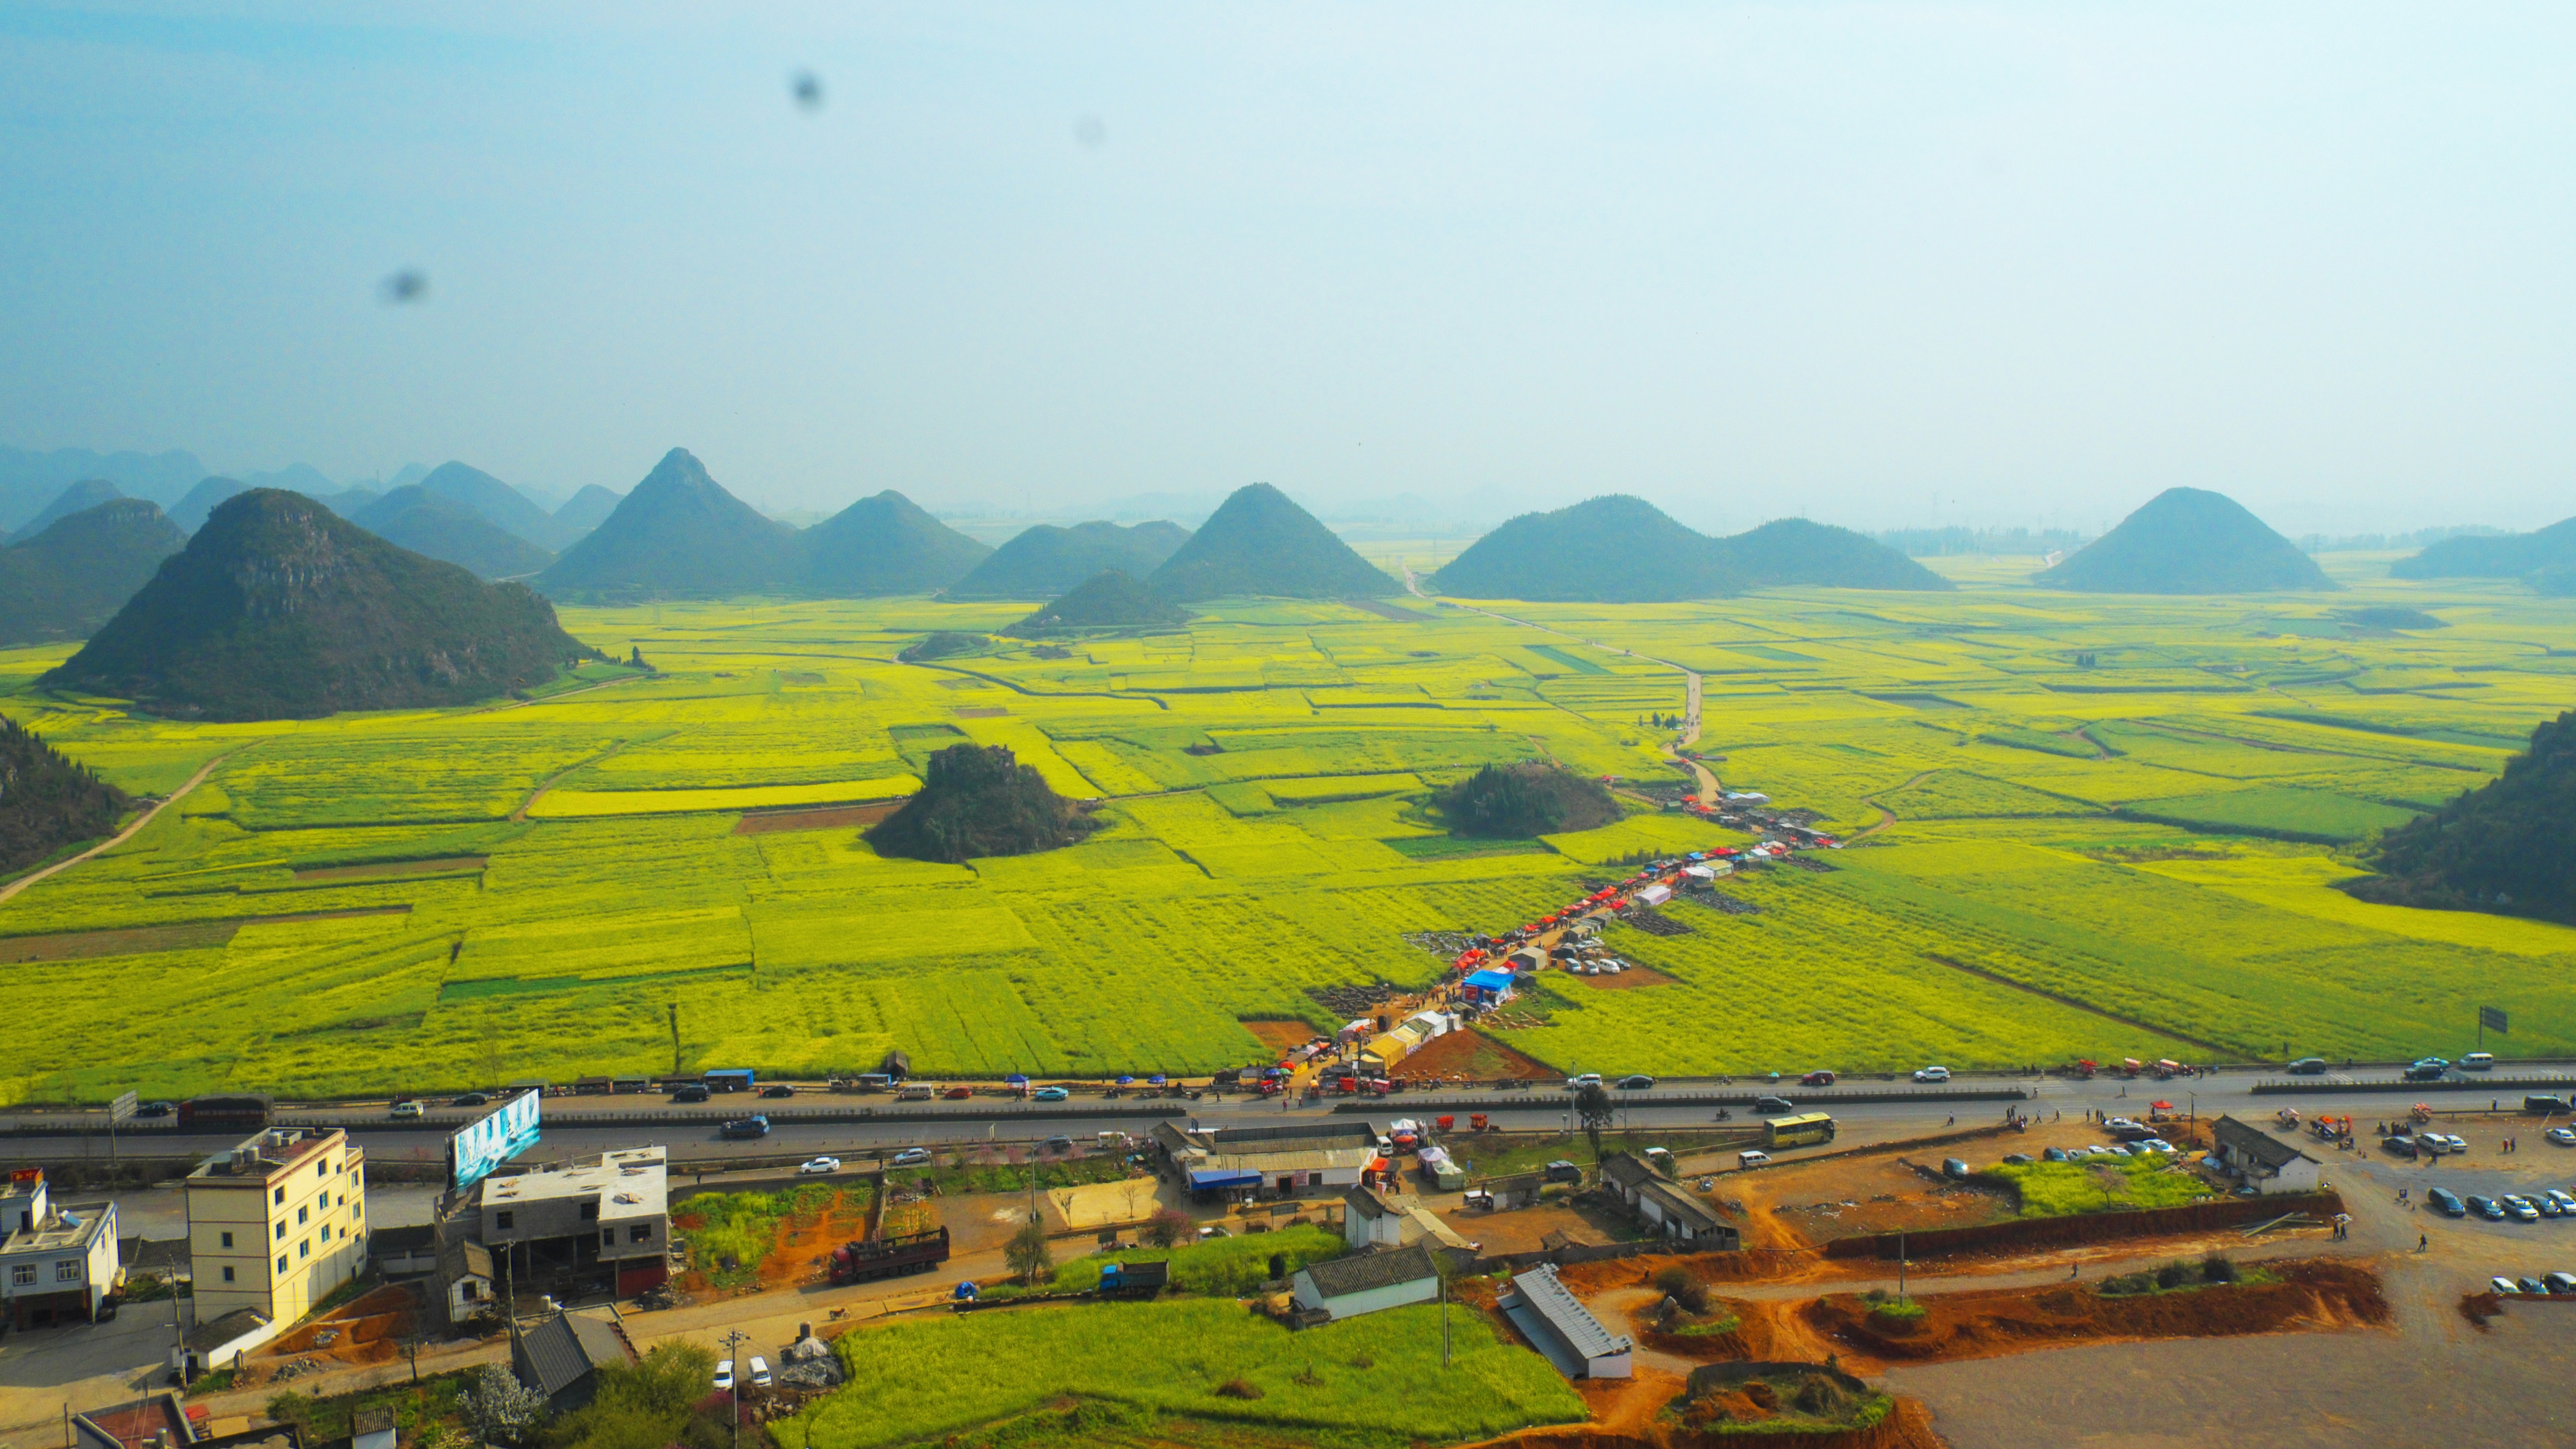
x=281 y=1194
x=473 y=1290
x=301 y=1214
x=608 y=1237
x=640 y=1233
x=304 y=1249
x=322 y=1168
x=22 y=1275
x=67 y=1270
x=281 y=1262
x=228 y=1240
x=501 y=1221
x=590 y=1212
x=281 y=1228
x=228 y=1275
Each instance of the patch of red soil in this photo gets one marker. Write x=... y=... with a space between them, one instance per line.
x=829 y=817
x=366 y=1329
x=1280 y=1036
x=799 y=1246
x=2317 y=1293
x=1470 y=1056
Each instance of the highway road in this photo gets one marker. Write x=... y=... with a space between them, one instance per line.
x=572 y=1128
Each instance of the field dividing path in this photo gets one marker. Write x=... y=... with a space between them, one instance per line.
x=122 y=836
x=1709 y=787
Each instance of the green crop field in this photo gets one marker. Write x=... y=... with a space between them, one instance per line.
x=1375 y=1380
x=2081 y=826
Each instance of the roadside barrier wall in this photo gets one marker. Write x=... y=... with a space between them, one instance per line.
x=2088 y=1227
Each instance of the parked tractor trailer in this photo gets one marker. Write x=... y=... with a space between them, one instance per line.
x=889 y=1257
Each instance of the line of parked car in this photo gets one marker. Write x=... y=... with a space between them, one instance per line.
x=2504 y=1207
x=2540 y=1287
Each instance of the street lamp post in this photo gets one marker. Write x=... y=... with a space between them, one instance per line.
x=733 y=1343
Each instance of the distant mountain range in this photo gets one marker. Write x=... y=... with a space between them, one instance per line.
x=2188 y=541
x=86 y=494
x=1258 y=542
x=884 y=545
x=1044 y=561
x=30 y=480
x=1617 y=549
x=74 y=574
x=280 y=609
x=679 y=534
x=444 y=528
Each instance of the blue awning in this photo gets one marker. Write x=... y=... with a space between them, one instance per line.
x=1223 y=1177
x=1491 y=981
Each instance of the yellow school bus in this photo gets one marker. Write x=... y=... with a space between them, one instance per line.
x=1798 y=1131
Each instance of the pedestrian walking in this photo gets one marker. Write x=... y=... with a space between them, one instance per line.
x=2422 y=1242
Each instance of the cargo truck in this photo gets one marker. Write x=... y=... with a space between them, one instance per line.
x=891 y=1257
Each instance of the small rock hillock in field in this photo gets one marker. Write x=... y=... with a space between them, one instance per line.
x=280 y=609
x=2508 y=846
x=70 y=577
x=978 y=800
x=46 y=801
x=1258 y=542
x=1524 y=800
x=1106 y=601
x=2188 y=541
x=945 y=644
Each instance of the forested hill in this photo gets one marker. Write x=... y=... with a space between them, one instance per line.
x=1609 y=550
x=1616 y=549
x=1107 y=600
x=280 y=609
x=1258 y=542
x=73 y=576
x=2508 y=846
x=46 y=801
x=2188 y=541
x=1044 y=561
x=2494 y=556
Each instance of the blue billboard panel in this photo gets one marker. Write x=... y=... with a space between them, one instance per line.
x=492 y=1139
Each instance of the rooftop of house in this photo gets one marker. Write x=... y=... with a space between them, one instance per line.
x=563 y=1349
x=1566 y=1314
x=2254 y=1142
x=275 y=1151
x=75 y=1226
x=634 y=1183
x=1360 y=1272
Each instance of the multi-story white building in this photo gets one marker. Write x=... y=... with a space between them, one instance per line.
x=56 y=1261
x=277 y=1223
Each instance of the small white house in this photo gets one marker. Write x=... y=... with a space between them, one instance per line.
x=56 y=1262
x=1369 y=1221
x=1368 y=1282
x=2268 y=1164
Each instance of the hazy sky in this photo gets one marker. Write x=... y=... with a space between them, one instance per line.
x=1879 y=264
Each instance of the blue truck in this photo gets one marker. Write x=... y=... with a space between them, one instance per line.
x=731 y=1079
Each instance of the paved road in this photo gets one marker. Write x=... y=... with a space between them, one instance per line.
x=1537 y=1110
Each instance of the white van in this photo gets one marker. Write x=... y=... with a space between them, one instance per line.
x=2478 y=1062
x=1753 y=1159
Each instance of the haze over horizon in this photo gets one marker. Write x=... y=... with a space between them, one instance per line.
x=1882 y=265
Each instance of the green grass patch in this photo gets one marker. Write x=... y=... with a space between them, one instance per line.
x=1364 y=1382
x=1218 y=1267
x=2099 y=1185
x=1569 y=659
x=743 y=1226
x=2283 y=812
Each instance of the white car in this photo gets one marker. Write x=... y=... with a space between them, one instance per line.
x=1588 y=1079
x=724 y=1376
x=821 y=1165
x=2503 y=1285
x=405 y=1111
x=912 y=1157
x=759 y=1372
x=1932 y=1074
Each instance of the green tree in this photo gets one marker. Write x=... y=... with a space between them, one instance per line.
x=500 y=1409
x=1028 y=1254
x=643 y=1405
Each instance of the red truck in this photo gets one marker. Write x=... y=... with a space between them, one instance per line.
x=904 y=1253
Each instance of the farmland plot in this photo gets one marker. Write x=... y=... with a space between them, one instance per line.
x=1261 y=775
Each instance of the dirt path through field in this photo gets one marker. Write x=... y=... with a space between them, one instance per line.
x=1709 y=786
x=520 y=815
x=122 y=836
x=1887 y=817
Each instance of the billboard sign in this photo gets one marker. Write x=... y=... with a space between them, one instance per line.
x=492 y=1139
x=123 y=1106
x=2492 y=1018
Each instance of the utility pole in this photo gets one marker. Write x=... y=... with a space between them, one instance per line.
x=1900 y=1265
x=733 y=1343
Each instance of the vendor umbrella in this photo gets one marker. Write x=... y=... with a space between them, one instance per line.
x=2161 y=1106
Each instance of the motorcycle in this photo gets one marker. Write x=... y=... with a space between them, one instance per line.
x=1724 y=1115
